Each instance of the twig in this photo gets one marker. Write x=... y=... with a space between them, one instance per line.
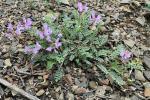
x=14 y=87
x=21 y=71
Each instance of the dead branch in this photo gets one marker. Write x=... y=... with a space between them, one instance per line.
x=18 y=90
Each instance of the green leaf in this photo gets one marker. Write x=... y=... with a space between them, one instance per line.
x=71 y=57
x=116 y=78
x=103 y=69
x=103 y=39
x=58 y=74
x=63 y=1
x=50 y=64
x=104 y=52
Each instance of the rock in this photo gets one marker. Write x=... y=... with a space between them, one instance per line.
x=1 y=63
x=139 y=75
x=147 y=75
x=147 y=61
x=141 y=20
x=147 y=92
x=7 y=62
x=40 y=92
x=92 y=84
x=147 y=89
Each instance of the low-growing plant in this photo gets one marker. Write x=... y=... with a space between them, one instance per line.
x=73 y=38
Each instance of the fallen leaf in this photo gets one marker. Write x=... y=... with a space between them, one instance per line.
x=104 y=82
x=80 y=90
x=100 y=91
x=141 y=20
x=129 y=42
x=68 y=79
x=7 y=62
x=70 y=96
x=125 y=1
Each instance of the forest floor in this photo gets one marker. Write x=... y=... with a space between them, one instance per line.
x=126 y=21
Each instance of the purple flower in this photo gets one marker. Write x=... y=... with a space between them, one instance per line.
x=81 y=7
x=40 y=34
x=49 y=49
x=57 y=43
x=18 y=30
x=9 y=35
x=47 y=30
x=28 y=23
x=95 y=18
x=10 y=27
x=28 y=49
x=125 y=55
x=36 y=49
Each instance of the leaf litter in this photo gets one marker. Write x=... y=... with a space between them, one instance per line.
x=124 y=22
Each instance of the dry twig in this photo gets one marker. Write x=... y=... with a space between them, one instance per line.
x=18 y=90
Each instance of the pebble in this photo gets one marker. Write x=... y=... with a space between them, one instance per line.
x=139 y=75
x=92 y=84
x=147 y=89
x=40 y=92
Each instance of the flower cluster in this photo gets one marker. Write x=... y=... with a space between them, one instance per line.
x=94 y=19
x=125 y=55
x=23 y=25
x=45 y=35
x=82 y=8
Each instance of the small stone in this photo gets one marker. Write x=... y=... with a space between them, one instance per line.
x=147 y=92
x=147 y=75
x=7 y=62
x=93 y=84
x=139 y=75
x=40 y=92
